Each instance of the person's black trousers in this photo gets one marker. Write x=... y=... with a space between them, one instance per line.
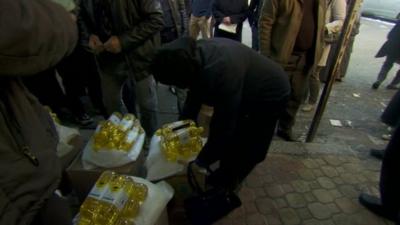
x=248 y=147
x=389 y=180
x=391 y=115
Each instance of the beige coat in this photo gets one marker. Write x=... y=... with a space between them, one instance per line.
x=335 y=15
x=35 y=35
x=279 y=25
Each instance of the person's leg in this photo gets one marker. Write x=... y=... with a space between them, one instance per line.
x=389 y=182
x=203 y=24
x=181 y=98
x=395 y=82
x=254 y=37
x=298 y=77
x=314 y=85
x=387 y=65
x=113 y=75
x=194 y=28
x=253 y=135
x=129 y=96
x=146 y=97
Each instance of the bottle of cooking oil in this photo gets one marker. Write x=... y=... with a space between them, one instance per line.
x=115 y=118
x=113 y=201
x=130 y=139
x=92 y=206
x=183 y=143
x=127 y=122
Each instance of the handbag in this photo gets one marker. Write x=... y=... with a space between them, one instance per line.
x=206 y=207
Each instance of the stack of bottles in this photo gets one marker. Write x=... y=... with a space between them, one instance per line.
x=117 y=133
x=114 y=200
x=180 y=140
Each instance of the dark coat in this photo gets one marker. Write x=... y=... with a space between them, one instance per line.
x=179 y=16
x=233 y=77
x=235 y=9
x=391 y=115
x=135 y=22
x=392 y=46
x=34 y=36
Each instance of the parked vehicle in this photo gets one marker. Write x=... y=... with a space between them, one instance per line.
x=382 y=9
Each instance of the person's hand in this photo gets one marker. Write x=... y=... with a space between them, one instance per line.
x=73 y=17
x=227 y=20
x=113 y=45
x=95 y=44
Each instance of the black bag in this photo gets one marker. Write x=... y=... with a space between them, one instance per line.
x=206 y=207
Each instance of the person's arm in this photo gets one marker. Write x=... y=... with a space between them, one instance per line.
x=35 y=35
x=338 y=9
x=192 y=106
x=267 y=20
x=217 y=12
x=240 y=16
x=152 y=22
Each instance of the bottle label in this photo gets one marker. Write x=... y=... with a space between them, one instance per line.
x=97 y=191
x=184 y=136
x=114 y=119
x=132 y=135
x=126 y=124
x=116 y=196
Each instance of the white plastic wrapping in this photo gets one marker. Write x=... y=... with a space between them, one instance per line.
x=110 y=159
x=65 y=134
x=157 y=199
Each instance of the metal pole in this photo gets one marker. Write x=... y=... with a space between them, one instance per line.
x=353 y=13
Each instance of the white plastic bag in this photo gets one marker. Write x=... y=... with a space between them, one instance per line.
x=157 y=199
x=65 y=134
x=110 y=159
x=158 y=167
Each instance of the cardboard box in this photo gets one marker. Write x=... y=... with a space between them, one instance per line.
x=83 y=180
x=163 y=219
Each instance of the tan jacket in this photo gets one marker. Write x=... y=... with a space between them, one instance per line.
x=34 y=35
x=279 y=25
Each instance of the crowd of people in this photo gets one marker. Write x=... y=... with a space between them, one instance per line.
x=115 y=52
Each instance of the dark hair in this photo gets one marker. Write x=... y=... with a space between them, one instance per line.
x=176 y=63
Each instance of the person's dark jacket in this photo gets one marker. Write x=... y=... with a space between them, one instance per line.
x=232 y=77
x=254 y=12
x=202 y=8
x=235 y=9
x=392 y=46
x=135 y=22
x=179 y=16
x=391 y=115
x=35 y=35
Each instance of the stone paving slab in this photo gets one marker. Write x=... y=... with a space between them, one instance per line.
x=300 y=196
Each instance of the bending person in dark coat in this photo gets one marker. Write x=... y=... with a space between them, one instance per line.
x=248 y=93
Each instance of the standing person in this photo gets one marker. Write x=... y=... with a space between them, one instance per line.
x=200 y=19
x=175 y=26
x=175 y=20
x=254 y=17
x=390 y=49
x=335 y=15
x=292 y=34
x=248 y=93
x=36 y=35
x=388 y=205
x=123 y=34
x=229 y=16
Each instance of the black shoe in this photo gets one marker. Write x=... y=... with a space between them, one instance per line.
x=377 y=153
x=84 y=119
x=392 y=87
x=286 y=135
x=376 y=85
x=374 y=205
